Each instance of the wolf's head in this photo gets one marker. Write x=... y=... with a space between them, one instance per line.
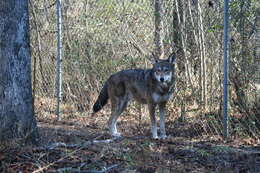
x=163 y=70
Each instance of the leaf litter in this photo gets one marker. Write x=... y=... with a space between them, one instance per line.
x=80 y=144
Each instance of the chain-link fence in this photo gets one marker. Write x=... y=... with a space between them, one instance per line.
x=102 y=37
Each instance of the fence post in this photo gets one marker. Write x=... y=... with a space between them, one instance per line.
x=226 y=68
x=59 y=60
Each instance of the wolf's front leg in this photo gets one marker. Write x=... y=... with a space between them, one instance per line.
x=162 y=120
x=151 y=108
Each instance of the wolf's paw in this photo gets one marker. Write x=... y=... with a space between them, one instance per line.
x=116 y=134
x=163 y=137
x=155 y=137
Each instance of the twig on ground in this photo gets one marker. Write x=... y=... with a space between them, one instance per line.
x=76 y=170
x=71 y=169
x=85 y=144
x=103 y=171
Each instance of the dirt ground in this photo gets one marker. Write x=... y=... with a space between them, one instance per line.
x=81 y=144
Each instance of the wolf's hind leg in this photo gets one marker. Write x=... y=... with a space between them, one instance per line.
x=118 y=106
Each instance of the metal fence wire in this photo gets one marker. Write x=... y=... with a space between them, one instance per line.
x=102 y=37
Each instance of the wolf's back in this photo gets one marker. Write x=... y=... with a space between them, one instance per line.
x=102 y=99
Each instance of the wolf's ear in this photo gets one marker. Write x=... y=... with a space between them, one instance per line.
x=153 y=59
x=172 y=58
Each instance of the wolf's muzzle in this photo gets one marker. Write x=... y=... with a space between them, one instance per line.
x=162 y=79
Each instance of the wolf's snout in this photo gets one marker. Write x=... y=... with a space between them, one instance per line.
x=162 y=79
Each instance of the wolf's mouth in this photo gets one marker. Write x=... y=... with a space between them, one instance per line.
x=164 y=83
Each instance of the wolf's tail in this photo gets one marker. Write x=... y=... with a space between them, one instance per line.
x=102 y=99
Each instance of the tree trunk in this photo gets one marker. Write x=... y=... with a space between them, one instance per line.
x=16 y=108
x=59 y=60
x=159 y=32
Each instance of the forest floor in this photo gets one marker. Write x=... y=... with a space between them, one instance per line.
x=81 y=144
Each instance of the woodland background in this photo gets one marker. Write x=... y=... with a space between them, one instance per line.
x=101 y=37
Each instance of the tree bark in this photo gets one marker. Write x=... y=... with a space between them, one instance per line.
x=59 y=60
x=16 y=109
x=159 y=28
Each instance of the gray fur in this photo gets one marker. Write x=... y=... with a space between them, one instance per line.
x=152 y=87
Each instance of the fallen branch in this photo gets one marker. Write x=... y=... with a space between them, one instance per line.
x=84 y=145
x=77 y=170
x=103 y=171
